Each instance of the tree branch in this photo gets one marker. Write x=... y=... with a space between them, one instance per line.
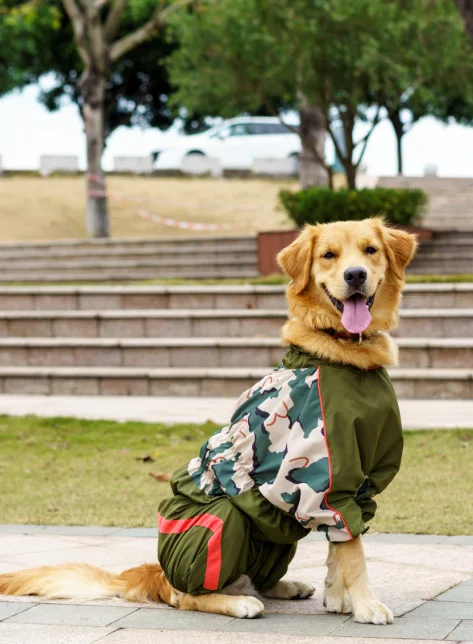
x=366 y=138
x=99 y=4
x=129 y=42
x=375 y=122
x=336 y=145
x=77 y=19
x=113 y=19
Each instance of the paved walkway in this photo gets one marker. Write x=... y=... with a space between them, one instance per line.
x=416 y=414
x=426 y=580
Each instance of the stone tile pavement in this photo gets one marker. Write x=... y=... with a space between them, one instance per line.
x=426 y=580
x=416 y=414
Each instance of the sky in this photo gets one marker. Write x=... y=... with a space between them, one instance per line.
x=28 y=130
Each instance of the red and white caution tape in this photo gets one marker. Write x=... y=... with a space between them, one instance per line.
x=174 y=223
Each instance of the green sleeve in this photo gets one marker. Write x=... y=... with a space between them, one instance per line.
x=364 y=439
x=388 y=462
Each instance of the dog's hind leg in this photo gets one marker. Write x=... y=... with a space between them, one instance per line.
x=149 y=582
x=233 y=605
x=350 y=566
x=289 y=590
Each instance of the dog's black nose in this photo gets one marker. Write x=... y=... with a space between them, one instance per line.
x=355 y=276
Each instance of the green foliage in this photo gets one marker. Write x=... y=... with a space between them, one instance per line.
x=36 y=39
x=348 y=58
x=321 y=205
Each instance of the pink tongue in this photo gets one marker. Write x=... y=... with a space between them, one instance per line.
x=356 y=316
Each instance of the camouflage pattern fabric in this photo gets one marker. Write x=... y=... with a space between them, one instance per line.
x=275 y=442
x=317 y=440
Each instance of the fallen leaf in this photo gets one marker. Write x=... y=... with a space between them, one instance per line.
x=161 y=476
x=58 y=445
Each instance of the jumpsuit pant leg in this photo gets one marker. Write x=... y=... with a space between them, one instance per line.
x=206 y=547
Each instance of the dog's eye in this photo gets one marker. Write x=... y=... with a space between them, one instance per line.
x=328 y=255
x=371 y=250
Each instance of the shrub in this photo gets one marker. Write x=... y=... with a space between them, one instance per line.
x=322 y=205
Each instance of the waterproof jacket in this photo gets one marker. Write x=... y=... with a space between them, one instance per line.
x=318 y=440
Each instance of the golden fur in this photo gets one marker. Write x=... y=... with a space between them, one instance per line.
x=347 y=587
x=309 y=305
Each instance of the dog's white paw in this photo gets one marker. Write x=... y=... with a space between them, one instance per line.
x=373 y=612
x=248 y=607
x=301 y=590
x=346 y=606
x=333 y=602
x=290 y=590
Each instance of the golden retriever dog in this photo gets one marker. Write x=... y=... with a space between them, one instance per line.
x=307 y=448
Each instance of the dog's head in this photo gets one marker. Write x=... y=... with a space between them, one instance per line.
x=347 y=275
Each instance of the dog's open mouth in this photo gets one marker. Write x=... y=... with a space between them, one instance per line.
x=355 y=310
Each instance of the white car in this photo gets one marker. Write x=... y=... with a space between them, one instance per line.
x=236 y=143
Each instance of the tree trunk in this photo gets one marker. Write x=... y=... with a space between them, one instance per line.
x=399 y=153
x=348 y=148
x=398 y=128
x=93 y=93
x=465 y=7
x=312 y=133
x=350 y=173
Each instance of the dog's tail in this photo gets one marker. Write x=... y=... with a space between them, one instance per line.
x=83 y=583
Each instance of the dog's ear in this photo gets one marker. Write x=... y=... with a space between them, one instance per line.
x=400 y=248
x=296 y=259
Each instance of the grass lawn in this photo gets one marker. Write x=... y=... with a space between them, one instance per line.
x=37 y=208
x=69 y=471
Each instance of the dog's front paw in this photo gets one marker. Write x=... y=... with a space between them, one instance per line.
x=248 y=607
x=373 y=612
x=336 y=602
x=346 y=606
x=290 y=590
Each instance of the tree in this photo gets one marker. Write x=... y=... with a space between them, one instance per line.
x=107 y=56
x=229 y=61
x=432 y=67
x=321 y=57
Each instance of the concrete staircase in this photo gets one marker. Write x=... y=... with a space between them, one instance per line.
x=129 y=259
x=205 y=340
x=450 y=200
x=447 y=253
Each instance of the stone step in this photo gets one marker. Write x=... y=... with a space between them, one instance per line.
x=206 y=323
x=120 y=265
x=101 y=258
x=438 y=183
x=441 y=241
x=246 y=296
x=31 y=276
x=441 y=267
x=129 y=243
x=447 y=222
x=437 y=353
x=454 y=236
x=450 y=254
x=135 y=254
x=408 y=383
